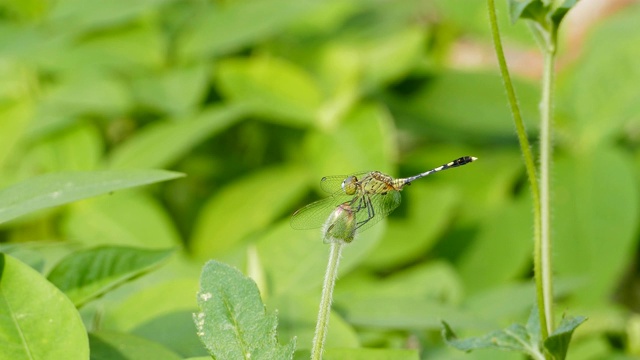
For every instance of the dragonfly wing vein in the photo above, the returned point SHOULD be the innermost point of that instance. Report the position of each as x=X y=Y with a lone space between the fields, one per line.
x=314 y=215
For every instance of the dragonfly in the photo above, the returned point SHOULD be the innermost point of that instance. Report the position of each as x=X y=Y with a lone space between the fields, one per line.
x=369 y=196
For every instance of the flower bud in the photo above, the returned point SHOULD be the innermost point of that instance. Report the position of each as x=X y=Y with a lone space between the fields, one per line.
x=340 y=225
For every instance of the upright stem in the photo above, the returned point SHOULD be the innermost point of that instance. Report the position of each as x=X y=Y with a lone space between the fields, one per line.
x=325 y=303
x=544 y=309
x=546 y=115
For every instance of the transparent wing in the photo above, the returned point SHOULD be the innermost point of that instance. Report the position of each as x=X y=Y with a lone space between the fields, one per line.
x=312 y=216
x=382 y=205
x=369 y=208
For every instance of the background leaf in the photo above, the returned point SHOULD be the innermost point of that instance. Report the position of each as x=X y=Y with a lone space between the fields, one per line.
x=272 y=87
x=589 y=243
x=85 y=275
x=33 y=315
x=61 y=188
x=150 y=148
x=107 y=221
x=245 y=207
x=116 y=346
x=235 y=25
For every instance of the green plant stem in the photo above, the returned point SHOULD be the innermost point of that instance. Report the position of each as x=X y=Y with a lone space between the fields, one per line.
x=546 y=115
x=530 y=167
x=325 y=303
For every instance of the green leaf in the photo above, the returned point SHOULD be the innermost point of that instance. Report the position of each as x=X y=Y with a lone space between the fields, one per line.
x=26 y=10
x=14 y=120
x=428 y=281
x=79 y=16
x=234 y=212
x=274 y=88
x=370 y=354
x=542 y=12
x=483 y=115
x=501 y=251
x=558 y=342
x=297 y=317
x=594 y=117
x=596 y=205
x=163 y=143
x=129 y=50
x=514 y=338
x=233 y=323
x=101 y=95
x=25 y=254
x=232 y=26
x=174 y=91
x=77 y=148
x=143 y=305
x=175 y=330
x=560 y=9
x=107 y=220
x=109 y=345
x=413 y=299
x=37 y=321
x=390 y=58
x=51 y=190
x=88 y=274
x=527 y=9
x=502 y=302
x=397 y=312
x=362 y=140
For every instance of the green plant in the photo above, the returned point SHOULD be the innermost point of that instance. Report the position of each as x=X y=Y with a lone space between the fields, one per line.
x=539 y=339
x=256 y=109
x=36 y=307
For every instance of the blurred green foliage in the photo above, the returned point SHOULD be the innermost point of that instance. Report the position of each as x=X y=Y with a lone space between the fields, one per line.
x=257 y=100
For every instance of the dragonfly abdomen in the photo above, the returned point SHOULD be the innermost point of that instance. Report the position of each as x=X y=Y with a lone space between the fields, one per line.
x=380 y=183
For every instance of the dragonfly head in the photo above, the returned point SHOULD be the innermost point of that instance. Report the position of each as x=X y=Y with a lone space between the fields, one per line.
x=349 y=185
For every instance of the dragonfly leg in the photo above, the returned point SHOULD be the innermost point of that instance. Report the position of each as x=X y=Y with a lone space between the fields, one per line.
x=370 y=211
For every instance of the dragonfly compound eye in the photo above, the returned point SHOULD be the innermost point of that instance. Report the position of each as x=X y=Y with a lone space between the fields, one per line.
x=349 y=185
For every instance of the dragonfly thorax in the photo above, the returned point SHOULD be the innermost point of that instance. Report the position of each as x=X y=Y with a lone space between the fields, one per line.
x=350 y=185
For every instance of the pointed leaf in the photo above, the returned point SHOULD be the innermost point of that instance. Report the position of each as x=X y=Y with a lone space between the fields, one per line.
x=230 y=214
x=85 y=275
x=54 y=189
x=540 y=11
x=533 y=324
x=513 y=338
x=233 y=323
x=526 y=9
x=37 y=321
x=149 y=148
x=560 y=11
x=558 y=342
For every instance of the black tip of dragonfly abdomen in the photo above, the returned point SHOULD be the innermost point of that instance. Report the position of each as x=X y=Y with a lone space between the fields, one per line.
x=464 y=160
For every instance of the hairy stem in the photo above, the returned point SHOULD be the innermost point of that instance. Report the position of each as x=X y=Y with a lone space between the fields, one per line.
x=539 y=259
x=325 y=303
x=546 y=116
